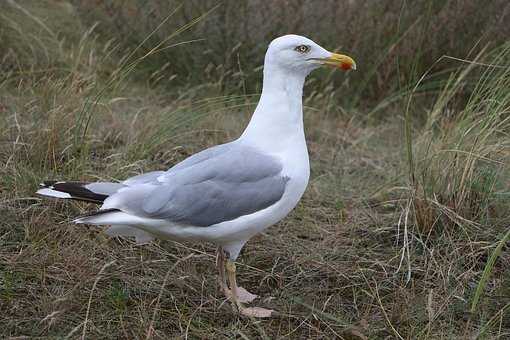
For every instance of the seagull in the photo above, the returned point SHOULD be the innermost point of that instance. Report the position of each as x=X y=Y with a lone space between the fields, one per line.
x=228 y=193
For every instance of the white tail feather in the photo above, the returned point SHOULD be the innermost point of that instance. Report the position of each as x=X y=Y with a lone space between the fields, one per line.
x=113 y=217
x=53 y=193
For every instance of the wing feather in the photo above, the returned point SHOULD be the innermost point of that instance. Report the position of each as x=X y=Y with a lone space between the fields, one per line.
x=218 y=186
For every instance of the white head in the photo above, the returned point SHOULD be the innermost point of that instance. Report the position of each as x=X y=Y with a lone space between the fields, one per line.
x=298 y=54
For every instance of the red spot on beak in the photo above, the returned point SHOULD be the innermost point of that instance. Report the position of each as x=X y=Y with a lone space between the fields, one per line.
x=345 y=66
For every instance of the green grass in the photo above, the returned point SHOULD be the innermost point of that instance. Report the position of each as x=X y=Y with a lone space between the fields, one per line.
x=402 y=232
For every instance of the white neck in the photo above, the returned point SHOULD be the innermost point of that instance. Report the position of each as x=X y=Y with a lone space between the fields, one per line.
x=278 y=118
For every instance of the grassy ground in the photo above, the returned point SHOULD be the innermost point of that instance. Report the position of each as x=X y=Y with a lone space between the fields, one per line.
x=402 y=232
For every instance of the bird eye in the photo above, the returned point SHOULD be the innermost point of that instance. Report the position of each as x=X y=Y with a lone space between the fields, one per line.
x=302 y=48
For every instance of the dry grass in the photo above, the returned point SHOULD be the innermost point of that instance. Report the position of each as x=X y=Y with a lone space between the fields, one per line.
x=367 y=254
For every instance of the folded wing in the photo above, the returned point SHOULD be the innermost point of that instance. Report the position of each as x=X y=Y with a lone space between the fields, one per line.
x=216 y=185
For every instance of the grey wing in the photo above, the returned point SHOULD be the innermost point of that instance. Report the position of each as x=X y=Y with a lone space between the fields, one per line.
x=211 y=202
x=143 y=178
x=236 y=182
x=204 y=155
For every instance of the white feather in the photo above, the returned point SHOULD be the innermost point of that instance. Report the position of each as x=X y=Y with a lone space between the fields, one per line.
x=53 y=193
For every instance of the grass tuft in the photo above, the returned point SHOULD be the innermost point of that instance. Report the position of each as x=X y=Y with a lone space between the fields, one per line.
x=457 y=162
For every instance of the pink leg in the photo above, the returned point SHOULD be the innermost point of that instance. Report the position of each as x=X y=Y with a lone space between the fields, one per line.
x=220 y=265
x=247 y=311
x=243 y=295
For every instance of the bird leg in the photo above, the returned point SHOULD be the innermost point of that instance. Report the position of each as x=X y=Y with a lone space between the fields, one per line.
x=220 y=264
x=235 y=295
x=243 y=295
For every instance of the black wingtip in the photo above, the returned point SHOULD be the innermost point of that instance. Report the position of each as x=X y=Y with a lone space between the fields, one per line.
x=77 y=191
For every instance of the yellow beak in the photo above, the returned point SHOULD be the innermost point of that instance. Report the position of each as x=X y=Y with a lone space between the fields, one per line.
x=337 y=60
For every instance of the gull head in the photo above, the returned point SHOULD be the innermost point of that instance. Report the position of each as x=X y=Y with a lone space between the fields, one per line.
x=298 y=54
